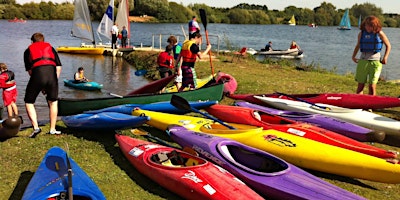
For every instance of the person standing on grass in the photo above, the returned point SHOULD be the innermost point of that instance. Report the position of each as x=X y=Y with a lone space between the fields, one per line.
x=44 y=67
x=177 y=47
x=187 y=59
x=370 y=42
x=7 y=82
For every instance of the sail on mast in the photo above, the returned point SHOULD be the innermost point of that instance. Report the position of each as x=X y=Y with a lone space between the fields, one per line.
x=107 y=21
x=82 y=25
x=123 y=16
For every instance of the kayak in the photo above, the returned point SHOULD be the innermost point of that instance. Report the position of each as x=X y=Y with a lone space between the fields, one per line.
x=267 y=174
x=346 y=100
x=189 y=176
x=350 y=130
x=153 y=87
x=164 y=106
x=249 y=116
x=91 y=85
x=103 y=121
x=302 y=152
x=357 y=116
x=51 y=180
x=71 y=106
x=230 y=84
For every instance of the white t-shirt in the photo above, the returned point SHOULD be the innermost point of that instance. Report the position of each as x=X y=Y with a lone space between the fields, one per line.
x=114 y=29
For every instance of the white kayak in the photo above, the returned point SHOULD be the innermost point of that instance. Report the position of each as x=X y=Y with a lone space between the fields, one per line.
x=357 y=116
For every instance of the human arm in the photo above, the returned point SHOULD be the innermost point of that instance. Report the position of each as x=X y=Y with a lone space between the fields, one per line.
x=385 y=40
x=356 y=49
x=205 y=52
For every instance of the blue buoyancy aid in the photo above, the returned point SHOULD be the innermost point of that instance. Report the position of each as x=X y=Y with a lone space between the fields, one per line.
x=370 y=42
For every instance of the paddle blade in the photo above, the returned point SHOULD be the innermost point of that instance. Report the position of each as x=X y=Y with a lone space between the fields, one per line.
x=180 y=102
x=203 y=17
x=140 y=72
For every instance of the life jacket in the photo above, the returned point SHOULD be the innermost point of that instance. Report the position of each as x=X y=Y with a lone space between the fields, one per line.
x=192 y=28
x=41 y=54
x=186 y=54
x=10 y=77
x=370 y=42
x=165 y=60
x=79 y=75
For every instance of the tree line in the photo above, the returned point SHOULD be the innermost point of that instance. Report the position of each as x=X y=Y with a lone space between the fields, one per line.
x=171 y=12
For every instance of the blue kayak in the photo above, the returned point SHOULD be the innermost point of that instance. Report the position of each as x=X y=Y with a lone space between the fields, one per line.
x=83 y=86
x=164 y=106
x=51 y=179
x=103 y=121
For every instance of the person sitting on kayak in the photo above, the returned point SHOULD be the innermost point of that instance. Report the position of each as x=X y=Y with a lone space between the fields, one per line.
x=79 y=76
x=268 y=47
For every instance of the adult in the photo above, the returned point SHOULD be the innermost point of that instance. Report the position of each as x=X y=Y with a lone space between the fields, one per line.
x=114 y=36
x=44 y=67
x=176 y=49
x=369 y=42
x=187 y=58
x=268 y=47
x=124 y=38
x=79 y=76
x=193 y=26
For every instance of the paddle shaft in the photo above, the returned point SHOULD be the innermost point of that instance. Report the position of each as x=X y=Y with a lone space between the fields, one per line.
x=204 y=21
x=70 y=193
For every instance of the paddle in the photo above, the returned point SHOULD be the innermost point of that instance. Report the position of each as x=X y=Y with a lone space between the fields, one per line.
x=204 y=21
x=182 y=103
x=140 y=72
x=70 y=193
x=116 y=95
x=302 y=100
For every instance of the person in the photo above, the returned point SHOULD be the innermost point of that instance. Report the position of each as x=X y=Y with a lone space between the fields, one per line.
x=7 y=82
x=193 y=26
x=165 y=62
x=370 y=42
x=268 y=47
x=177 y=47
x=114 y=36
x=187 y=58
x=44 y=67
x=124 y=38
x=294 y=45
x=79 y=76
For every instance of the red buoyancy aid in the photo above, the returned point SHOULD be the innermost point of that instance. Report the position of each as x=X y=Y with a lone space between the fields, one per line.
x=4 y=78
x=41 y=54
x=186 y=54
x=165 y=60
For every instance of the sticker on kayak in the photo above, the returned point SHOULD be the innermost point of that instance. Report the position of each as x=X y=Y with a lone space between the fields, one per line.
x=192 y=176
x=187 y=124
x=209 y=189
x=296 y=132
x=279 y=141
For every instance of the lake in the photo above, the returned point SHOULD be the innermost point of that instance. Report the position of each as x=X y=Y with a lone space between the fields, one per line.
x=324 y=46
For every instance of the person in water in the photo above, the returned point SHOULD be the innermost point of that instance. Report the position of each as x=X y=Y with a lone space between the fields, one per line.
x=79 y=76
x=370 y=42
x=7 y=82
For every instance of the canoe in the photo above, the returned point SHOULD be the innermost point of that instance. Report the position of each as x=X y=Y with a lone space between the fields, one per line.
x=69 y=106
x=103 y=121
x=267 y=174
x=189 y=176
x=302 y=152
x=164 y=106
x=153 y=87
x=81 y=50
x=346 y=100
x=91 y=85
x=249 y=116
x=357 y=116
x=350 y=130
x=200 y=83
x=51 y=179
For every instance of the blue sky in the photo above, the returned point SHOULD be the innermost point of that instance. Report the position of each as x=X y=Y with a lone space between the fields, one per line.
x=388 y=6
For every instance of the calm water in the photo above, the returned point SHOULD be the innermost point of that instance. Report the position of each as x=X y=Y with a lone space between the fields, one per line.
x=325 y=46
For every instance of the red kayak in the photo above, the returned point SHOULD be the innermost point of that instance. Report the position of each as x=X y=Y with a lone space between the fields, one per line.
x=249 y=116
x=346 y=100
x=154 y=86
x=187 y=175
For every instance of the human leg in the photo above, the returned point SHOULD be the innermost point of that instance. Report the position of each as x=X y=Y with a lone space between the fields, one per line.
x=360 y=88
x=372 y=89
x=53 y=106
x=30 y=109
x=375 y=69
x=361 y=75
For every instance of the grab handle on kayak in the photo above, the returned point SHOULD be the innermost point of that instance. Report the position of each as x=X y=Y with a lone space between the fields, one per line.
x=302 y=100
x=181 y=103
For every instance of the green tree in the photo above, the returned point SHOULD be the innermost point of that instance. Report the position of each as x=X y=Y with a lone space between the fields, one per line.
x=179 y=13
x=31 y=10
x=10 y=11
x=239 y=16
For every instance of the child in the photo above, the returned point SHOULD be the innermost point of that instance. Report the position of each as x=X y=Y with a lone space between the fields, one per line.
x=79 y=76
x=10 y=92
x=165 y=62
x=176 y=49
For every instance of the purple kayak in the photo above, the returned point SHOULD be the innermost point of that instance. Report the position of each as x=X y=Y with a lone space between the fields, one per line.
x=329 y=123
x=268 y=175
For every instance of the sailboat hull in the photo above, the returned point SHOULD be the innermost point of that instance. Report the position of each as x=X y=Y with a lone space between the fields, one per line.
x=81 y=50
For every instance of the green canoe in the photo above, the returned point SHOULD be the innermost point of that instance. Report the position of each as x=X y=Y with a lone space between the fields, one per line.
x=68 y=106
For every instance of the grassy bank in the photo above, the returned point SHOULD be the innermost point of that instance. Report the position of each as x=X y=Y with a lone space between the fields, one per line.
x=98 y=154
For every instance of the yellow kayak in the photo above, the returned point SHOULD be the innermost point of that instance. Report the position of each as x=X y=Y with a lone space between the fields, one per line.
x=296 y=150
x=200 y=83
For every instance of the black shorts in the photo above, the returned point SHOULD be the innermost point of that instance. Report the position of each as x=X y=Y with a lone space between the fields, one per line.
x=43 y=78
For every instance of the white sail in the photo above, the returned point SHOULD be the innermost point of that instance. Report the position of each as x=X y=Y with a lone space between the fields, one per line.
x=82 y=25
x=107 y=21
x=123 y=16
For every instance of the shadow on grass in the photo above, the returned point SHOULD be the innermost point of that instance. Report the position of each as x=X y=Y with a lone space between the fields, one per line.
x=22 y=183
x=107 y=139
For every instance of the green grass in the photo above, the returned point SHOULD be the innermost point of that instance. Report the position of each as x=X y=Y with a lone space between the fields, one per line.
x=98 y=154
